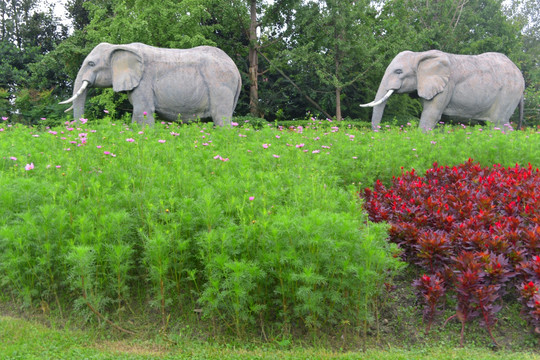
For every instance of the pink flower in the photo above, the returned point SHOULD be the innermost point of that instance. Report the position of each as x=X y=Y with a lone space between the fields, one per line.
x=277 y=136
x=13 y=158
x=130 y=140
x=276 y=156
x=234 y=123
x=161 y=141
x=300 y=145
x=145 y=113
x=107 y=152
x=218 y=157
x=316 y=151
x=106 y=111
x=251 y=198
x=58 y=166
x=266 y=146
x=29 y=166
x=4 y=118
x=83 y=120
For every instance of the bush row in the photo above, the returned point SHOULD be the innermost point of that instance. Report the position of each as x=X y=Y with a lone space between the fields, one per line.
x=473 y=230
x=248 y=228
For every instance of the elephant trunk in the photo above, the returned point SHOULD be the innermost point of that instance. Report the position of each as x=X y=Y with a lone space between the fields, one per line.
x=78 y=103
x=378 y=105
x=78 y=98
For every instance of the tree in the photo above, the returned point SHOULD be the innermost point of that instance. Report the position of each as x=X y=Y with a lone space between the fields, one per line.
x=526 y=14
x=334 y=45
x=26 y=36
x=78 y=13
x=264 y=28
x=459 y=26
x=14 y=14
x=167 y=23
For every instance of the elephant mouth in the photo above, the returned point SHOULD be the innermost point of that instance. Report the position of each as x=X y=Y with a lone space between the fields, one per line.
x=380 y=101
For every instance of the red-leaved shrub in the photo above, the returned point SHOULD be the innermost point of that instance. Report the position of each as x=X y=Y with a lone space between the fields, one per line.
x=473 y=230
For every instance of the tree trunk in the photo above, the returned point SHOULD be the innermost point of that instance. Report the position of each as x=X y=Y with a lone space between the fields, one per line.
x=338 y=104
x=338 y=36
x=253 y=61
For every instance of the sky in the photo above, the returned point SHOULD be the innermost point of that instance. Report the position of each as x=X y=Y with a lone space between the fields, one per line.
x=59 y=9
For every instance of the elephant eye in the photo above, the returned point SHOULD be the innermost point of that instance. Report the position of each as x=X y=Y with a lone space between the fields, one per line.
x=91 y=63
x=399 y=71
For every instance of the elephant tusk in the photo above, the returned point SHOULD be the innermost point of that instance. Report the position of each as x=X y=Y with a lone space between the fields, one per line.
x=81 y=90
x=383 y=99
x=69 y=109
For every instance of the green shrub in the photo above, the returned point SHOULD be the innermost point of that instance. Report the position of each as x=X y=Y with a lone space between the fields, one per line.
x=246 y=224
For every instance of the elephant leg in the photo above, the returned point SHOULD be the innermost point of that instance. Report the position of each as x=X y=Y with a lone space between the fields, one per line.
x=222 y=115
x=500 y=114
x=433 y=110
x=223 y=101
x=143 y=109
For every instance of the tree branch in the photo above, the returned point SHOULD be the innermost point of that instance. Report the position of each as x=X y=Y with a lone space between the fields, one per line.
x=313 y=102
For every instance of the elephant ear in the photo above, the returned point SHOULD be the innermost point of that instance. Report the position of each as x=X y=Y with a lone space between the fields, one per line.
x=127 y=69
x=433 y=74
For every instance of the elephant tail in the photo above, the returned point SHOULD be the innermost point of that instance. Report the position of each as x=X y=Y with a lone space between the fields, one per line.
x=521 y=109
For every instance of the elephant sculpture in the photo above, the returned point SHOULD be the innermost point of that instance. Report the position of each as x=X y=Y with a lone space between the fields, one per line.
x=198 y=82
x=484 y=87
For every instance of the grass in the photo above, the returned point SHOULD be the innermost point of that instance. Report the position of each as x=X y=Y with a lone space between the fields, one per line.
x=27 y=340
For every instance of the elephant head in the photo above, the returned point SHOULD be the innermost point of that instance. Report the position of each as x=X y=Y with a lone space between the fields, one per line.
x=107 y=65
x=427 y=72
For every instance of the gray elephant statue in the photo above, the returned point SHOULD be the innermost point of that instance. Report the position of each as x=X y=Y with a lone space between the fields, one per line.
x=190 y=83
x=484 y=87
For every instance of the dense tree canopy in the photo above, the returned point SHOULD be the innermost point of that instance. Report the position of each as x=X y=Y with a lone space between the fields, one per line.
x=296 y=57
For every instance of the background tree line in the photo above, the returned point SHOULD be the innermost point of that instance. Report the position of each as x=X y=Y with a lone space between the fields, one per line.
x=296 y=56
